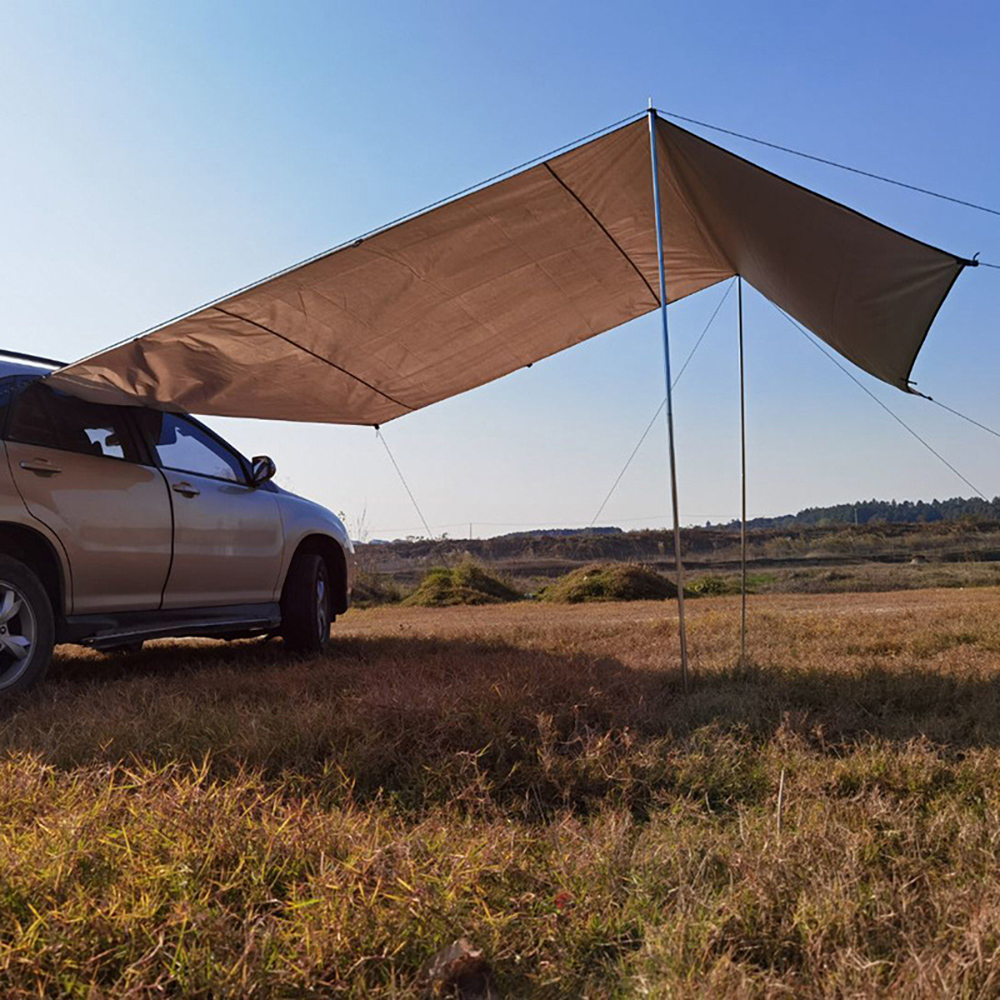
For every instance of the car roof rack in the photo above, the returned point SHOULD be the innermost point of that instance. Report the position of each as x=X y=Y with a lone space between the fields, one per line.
x=19 y=356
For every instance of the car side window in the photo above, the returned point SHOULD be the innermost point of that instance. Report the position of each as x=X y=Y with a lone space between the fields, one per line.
x=184 y=447
x=50 y=419
x=8 y=389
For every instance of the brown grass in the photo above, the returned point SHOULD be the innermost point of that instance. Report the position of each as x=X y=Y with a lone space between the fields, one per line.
x=219 y=821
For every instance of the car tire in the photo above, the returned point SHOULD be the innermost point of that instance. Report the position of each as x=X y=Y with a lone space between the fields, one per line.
x=305 y=604
x=27 y=628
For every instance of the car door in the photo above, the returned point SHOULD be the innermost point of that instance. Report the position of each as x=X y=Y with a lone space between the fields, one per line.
x=228 y=538
x=81 y=470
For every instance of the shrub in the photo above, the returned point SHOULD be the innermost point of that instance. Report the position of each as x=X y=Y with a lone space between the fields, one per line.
x=719 y=585
x=466 y=583
x=372 y=589
x=610 y=582
x=714 y=586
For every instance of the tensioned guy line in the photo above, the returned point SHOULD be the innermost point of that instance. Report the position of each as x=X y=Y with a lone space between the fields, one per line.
x=402 y=479
x=839 y=166
x=975 y=423
x=899 y=420
x=659 y=409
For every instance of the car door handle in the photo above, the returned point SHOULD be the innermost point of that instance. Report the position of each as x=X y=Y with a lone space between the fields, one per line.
x=40 y=466
x=186 y=489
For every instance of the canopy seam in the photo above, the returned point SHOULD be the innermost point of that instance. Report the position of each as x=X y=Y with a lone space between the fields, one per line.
x=600 y=225
x=318 y=357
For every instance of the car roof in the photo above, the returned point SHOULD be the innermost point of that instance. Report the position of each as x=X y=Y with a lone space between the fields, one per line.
x=9 y=368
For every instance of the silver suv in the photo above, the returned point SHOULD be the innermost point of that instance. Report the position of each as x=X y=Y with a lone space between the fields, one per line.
x=120 y=524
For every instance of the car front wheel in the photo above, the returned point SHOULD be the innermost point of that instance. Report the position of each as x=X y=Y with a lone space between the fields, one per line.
x=305 y=604
x=27 y=629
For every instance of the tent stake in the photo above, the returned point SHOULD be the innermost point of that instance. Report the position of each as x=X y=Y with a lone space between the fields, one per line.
x=679 y=569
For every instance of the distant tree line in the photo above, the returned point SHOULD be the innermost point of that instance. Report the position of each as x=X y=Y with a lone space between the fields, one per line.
x=561 y=532
x=882 y=512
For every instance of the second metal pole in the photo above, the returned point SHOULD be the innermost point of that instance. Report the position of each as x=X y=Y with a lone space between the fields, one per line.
x=670 y=407
x=743 y=486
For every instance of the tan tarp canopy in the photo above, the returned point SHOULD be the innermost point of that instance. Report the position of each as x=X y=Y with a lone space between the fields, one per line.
x=526 y=267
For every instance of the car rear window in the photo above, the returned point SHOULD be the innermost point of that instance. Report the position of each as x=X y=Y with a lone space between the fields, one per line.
x=41 y=416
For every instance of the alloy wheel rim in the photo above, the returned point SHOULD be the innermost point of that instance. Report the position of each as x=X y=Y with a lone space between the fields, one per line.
x=322 y=623
x=18 y=632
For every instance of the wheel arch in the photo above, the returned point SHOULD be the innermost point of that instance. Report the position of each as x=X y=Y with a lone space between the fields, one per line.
x=39 y=554
x=336 y=564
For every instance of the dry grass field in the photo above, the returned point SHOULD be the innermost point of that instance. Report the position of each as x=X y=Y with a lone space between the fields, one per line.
x=208 y=820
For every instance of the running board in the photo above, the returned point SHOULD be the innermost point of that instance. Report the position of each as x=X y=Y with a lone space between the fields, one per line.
x=109 y=631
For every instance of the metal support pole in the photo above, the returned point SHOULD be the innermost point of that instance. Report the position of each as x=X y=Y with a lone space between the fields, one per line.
x=743 y=483
x=670 y=405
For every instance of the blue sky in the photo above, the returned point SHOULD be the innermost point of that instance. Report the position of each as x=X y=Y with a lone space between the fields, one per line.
x=157 y=155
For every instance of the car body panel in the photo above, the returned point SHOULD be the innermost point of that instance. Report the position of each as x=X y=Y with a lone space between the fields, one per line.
x=14 y=512
x=112 y=517
x=303 y=518
x=228 y=543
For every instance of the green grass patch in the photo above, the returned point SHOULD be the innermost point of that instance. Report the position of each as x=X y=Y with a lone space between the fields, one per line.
x=727 y=584
x=466 y=583
x=610 y=582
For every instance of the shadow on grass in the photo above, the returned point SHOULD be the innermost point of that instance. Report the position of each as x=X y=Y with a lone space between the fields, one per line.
x=420 y=721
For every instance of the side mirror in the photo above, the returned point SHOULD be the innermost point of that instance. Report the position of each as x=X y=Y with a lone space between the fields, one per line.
x=263 y=470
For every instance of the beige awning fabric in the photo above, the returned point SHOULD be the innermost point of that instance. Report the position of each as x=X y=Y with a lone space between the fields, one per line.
x=521 y=269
